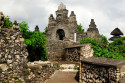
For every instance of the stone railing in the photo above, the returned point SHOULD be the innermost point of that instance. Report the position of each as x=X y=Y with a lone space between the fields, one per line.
x=78 y=52
x=101 y=70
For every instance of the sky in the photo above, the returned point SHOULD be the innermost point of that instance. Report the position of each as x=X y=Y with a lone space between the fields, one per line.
x=108 y=14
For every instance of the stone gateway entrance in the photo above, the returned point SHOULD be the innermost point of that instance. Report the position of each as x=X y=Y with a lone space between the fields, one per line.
x=60 y=34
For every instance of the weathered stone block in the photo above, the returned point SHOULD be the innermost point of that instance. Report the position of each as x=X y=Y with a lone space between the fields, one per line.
x=101 y=70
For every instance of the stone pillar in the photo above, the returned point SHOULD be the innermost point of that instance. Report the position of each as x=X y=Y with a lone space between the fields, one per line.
x=74 y=37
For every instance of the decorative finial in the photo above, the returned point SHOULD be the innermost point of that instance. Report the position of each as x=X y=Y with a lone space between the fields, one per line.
x=61 y=6
x=72 y=13
x=15 y=22
x=51 y=15
x=36 y=28
x=92 y=24
x=1 y=16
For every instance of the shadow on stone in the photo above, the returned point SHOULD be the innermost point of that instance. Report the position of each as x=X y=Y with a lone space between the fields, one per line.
x=77 y=77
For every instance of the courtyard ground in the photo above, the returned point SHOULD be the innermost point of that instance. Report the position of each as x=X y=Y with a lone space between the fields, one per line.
x=63 y=77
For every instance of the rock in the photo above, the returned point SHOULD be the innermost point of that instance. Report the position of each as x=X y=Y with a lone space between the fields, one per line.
x=4 y=67
x=9 y=61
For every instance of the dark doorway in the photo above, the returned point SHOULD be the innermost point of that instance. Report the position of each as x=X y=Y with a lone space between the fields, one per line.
x=60 y=34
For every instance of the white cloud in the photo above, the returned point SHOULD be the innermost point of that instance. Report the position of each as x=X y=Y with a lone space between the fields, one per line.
x=108 y=14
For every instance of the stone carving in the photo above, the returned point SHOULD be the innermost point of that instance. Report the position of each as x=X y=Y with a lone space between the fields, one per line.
x=61 y=6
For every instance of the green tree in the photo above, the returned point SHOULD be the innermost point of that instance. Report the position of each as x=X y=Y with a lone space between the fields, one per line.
x=35 y=42
x=79 y=27
x=115 y=50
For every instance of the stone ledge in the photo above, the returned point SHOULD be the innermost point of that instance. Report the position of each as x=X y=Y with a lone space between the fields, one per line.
x=77 y=46
x=108 y=62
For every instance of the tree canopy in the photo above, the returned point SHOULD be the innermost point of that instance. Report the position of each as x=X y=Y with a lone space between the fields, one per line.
x=79 y=27
x=35 y=42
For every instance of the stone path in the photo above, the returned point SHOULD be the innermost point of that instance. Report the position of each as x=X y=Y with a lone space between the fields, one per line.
x=63 y=77
x=66 y=74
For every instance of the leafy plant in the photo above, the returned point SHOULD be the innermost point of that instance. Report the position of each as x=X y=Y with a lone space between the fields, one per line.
x=58 y=67
x=76 y=68
x=46 y=29
x=79 y=27
x=7 y=22
x=115 y=50
x=25 y=71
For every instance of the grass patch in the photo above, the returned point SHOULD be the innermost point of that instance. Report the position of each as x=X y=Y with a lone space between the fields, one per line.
x=76 y=68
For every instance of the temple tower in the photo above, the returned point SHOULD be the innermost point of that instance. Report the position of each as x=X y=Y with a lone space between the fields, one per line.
x=62 y=26
x=36 y=28
x=92 y=31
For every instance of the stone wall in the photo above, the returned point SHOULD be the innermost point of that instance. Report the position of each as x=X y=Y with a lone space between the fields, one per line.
x=78 y=52
x=40 y=71
x=101 y=70
x=56 y=49
x=13 y=62
x=13 y=53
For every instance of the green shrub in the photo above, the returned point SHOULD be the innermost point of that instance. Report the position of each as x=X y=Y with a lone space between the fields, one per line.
x=76 y=68
x=25 y=71
x=115 y=50
x=7 y=22
x=35 y=42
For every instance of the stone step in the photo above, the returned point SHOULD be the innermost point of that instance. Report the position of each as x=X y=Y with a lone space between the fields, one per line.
x=69 y=67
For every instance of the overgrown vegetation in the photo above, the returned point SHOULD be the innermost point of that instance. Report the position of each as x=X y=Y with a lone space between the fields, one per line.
x=7 y=22
x=103 y=48
x=46 y=29
x=76 y=68
x=25 y=72
x=35 y=42
x=79 y=27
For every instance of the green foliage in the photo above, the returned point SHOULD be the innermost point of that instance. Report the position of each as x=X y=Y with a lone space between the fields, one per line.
x=18 y=81
x=119 y=41
x=46 y=29
x=25 y=29
x=79 y=27
x=4 y=81
x=58 y=68
x=7 y=22
x=76 y=68
x=35 y=42
x=115 y=50
x=25 y=72
x=104 y=40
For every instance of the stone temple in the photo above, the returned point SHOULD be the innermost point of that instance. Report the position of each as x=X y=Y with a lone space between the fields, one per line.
x=62 y=27
x=62 y=31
